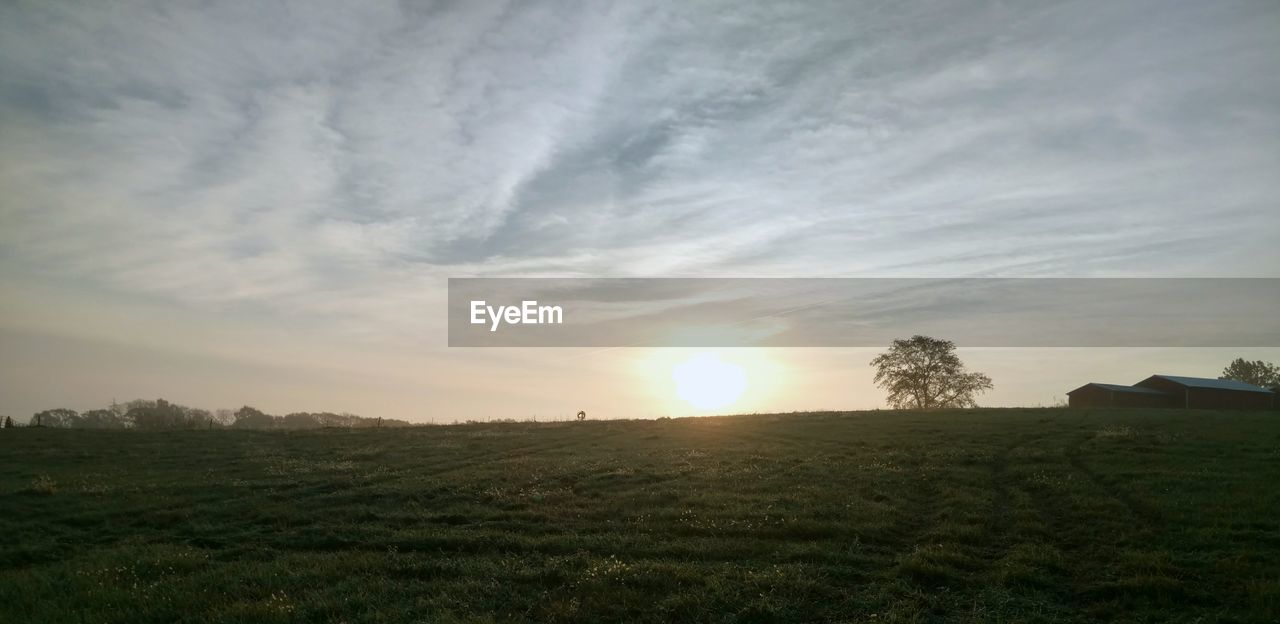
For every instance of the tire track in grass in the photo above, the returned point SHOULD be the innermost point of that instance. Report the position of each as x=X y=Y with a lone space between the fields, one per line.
x=1121 y=579
x=1059 y=534
x=1006 y=535
x=455 y=464
x=793 y=440
x=916 y=502
x=766 y=457
x=1029 y=557
x=1150 y=517
x=998 y=514
x=931 y=556
x=1080 y=555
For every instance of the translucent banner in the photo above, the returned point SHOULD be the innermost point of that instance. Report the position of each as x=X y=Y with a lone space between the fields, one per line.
x=863 y=312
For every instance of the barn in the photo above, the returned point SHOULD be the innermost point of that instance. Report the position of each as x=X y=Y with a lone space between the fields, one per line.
x=1175 y=391
x=1200 y=393
x=1114 y=395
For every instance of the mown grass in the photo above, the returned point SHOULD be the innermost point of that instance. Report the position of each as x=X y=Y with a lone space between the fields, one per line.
x=1041 y=515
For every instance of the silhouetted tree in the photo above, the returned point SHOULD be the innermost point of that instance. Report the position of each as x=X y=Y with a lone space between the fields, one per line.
x=8 y=423
x=926 y=373
x=156 y=414
x=329 y=419
x=1256 y=372
x=300 y=420
x=197 y=418
x=161 y=414
x=59 y=417
x=253 y=418
x=101 y=419
x=224 y=417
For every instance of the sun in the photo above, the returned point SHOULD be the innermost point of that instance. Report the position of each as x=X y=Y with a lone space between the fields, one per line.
x=707 y=382
x=688 y=382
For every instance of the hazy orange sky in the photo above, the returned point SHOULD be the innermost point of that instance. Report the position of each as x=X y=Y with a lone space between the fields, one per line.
x=224 y=206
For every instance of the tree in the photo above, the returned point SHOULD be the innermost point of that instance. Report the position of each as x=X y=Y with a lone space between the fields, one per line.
x=131 y=410
x=59 y=417
x=161 y=414
x=101 y=419
x=252 y=418
x=1257 y=372
x=158 y=414
x=300 y=420
x=224 y=417
x=8 y=423
x=926 y=373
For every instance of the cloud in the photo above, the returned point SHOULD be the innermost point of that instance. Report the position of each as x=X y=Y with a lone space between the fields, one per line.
x=278 y=152
x=336 y=162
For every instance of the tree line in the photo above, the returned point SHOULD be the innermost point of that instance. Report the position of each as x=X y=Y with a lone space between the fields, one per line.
x=161 y=414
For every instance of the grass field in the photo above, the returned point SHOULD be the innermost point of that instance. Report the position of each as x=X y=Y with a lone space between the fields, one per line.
x=1036 y=515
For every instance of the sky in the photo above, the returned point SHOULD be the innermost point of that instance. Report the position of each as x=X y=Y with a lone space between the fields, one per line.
x=260 y=203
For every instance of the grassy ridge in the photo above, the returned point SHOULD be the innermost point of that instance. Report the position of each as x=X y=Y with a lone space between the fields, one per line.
x=984 y=516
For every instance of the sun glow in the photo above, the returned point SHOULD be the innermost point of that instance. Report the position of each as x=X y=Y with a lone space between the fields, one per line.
x=710 y=381
x=707 y=382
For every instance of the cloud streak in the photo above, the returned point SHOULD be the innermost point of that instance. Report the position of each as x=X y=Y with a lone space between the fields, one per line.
x=336 y=162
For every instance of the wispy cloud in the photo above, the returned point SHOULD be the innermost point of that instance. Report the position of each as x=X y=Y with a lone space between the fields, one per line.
x=337 y=161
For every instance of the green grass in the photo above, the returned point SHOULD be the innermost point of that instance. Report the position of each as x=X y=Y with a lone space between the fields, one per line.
x=1043 y=515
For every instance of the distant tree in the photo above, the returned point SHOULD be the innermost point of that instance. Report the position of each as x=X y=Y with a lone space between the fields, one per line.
x=196 y=418
x=143 y=416
x=925 y=373
x=253 y=418
x=8 y=423
x=101 y=419
x=59 y=417
x=1256 y=372
x=130 y=410
x=161 y=414
x=158 y=414
x=300 y=420
x=330 y=419
x=224 y=417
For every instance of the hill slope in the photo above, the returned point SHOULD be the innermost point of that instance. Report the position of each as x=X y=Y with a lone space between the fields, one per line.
x=984 y=515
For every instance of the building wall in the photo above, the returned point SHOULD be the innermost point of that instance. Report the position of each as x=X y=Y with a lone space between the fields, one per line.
x=1212 y=398
x=1129 y=399
x=1093 y=396
x=1088 y=396
x=1208 y=398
